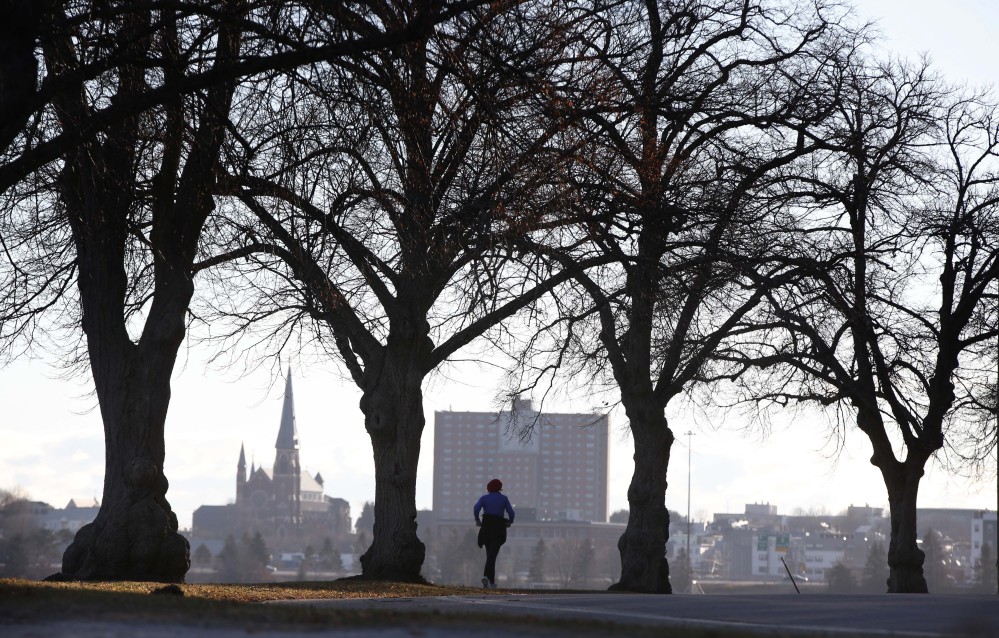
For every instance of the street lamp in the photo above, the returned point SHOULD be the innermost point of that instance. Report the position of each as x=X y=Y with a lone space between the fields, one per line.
x=690 y=563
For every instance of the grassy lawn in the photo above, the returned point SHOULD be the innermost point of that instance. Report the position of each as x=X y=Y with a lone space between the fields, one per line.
x=222 y=605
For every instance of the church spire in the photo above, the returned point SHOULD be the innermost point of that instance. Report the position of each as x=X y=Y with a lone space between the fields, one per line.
x=241 y=474
x=287 y=438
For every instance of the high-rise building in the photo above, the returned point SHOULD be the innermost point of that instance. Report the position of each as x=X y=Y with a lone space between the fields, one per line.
x=559 y=472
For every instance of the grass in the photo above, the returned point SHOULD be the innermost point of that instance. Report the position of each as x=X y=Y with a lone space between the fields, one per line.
x=226 y=605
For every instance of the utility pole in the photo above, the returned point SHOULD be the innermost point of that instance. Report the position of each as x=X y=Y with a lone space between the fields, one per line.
x=690 y=562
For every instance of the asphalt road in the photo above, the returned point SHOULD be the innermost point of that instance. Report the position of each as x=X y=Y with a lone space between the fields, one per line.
x=531 y=616
x=894 y=615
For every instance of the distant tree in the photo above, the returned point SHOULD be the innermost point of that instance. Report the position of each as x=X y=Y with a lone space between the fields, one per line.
x=243 y=560
x=366 y=520
x=256 y=550
x=360 y=544
x=539 y=555
x=459 y=558
x=840 y=580
x=14 y=556
x=582 y=568
x=681 y=572
x=935 y=562
x=620 y=516
x=874 y=579
x=985 y=571
x=334 y=561
x=229 y=565
x=202 y=555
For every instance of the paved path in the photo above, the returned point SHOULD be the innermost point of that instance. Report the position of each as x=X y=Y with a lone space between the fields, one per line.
x=895 y=615
x=903 y=616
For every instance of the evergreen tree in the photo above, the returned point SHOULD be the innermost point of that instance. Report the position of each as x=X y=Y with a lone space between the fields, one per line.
x=874 y=580
x=361 y=543
x=681 y=570
x=583 y=564
x=840 y=580
x=538 y=556
x=256 y=551
x=335 y=561
x=228 y=562
x=202 y=555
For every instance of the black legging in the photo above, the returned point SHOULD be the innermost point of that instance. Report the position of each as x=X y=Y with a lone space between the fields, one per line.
x=492 y=551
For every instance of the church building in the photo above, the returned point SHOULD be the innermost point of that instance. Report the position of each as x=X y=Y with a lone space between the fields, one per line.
x=286 y=505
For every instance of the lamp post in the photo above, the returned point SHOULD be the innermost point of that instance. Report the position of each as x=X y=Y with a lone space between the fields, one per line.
x=690 y=563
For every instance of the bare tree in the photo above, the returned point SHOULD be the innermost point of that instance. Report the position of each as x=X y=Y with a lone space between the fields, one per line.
x=701 y=104
x=901 y=250
x=138 y=100
x=387 y=201
x=136 y=199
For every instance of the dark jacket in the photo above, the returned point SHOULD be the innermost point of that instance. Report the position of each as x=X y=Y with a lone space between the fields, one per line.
x=493 y=530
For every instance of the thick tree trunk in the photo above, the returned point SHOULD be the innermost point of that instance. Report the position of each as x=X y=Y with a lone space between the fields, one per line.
x=643 y=545
x=393 y=416
x=905 y=559
x=134 y=536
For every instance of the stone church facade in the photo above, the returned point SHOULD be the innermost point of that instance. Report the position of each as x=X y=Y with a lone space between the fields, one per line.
x=287 y=506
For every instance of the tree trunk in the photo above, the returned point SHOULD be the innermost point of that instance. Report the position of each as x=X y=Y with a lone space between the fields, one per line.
x=905 y=559
x=643 y=545
x=393 y=416
x=134 y=536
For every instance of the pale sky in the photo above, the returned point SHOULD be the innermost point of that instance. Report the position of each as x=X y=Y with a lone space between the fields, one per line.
x=51 y=439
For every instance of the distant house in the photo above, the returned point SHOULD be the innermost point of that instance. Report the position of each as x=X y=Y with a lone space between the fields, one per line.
x=286 y=505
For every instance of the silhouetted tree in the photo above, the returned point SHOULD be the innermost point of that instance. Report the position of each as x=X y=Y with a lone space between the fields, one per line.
x=136 y=106
x=411 y=175
x=910 y=188
x=696 y=105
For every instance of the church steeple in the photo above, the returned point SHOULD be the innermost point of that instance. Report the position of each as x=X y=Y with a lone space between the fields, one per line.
x=287 y=466
x=287 y=438
x=240 y=473
x=241 y=466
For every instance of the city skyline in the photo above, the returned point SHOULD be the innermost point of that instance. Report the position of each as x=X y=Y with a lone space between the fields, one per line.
x=52 y=446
